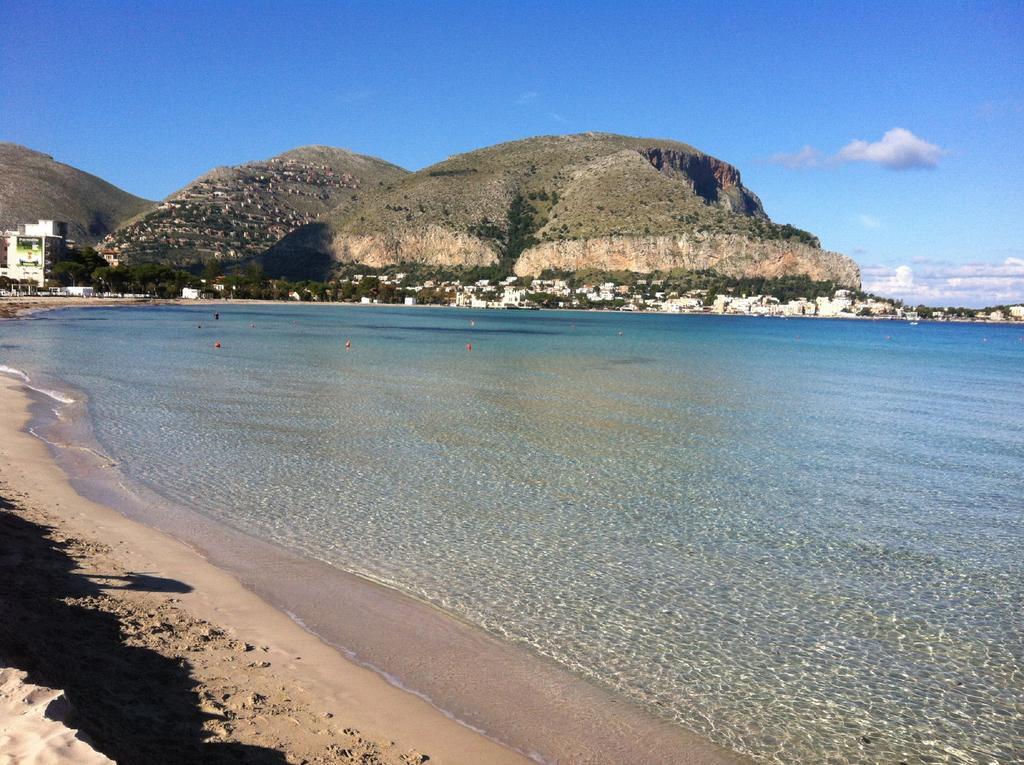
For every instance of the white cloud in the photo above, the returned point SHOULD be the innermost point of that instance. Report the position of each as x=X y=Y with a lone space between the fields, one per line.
x=526 y=97
x=869 y=221
x=808 y=156
x=899 y=149
x=970 y=284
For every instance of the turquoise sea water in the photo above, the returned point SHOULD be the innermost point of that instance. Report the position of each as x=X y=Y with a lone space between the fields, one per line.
x=802 y=538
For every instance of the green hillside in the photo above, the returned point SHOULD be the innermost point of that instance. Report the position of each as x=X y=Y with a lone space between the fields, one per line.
x=533 y=203
x=231 y=213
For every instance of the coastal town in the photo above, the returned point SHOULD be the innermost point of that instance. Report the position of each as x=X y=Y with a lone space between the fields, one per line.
x=39 y=259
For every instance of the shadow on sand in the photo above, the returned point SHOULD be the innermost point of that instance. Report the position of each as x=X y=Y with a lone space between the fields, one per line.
x=133 y=704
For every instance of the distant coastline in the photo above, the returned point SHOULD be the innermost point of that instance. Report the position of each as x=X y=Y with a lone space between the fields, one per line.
x=23 y=306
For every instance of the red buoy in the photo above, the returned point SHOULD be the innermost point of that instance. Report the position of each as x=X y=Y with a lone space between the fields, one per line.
x=348 y=344
x=469 y=346
x=217 y=344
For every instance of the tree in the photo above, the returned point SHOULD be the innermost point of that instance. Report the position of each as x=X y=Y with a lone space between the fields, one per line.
x=69 y=270
x=254 y=274
x=212 y=269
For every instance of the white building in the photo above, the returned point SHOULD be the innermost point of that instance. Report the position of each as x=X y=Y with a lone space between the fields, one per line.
x=410 y=301
x=32 y=250
x=799 y=307
x=190 y=293
x=513 y=296
x=835 y=306
x=680 y=304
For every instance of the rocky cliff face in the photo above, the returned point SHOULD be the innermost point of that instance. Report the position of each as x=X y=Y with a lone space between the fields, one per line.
x=715 y=181
x=434 y=246
x=731 y=255
x=728 y=254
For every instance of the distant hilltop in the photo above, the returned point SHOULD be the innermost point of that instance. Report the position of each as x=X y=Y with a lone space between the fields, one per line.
x=547 y=204
x=565 y=203
x=34 y=186
x=233 y=213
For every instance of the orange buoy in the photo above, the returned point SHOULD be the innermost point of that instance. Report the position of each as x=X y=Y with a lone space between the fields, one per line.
x=217 y=344
x=469 y=346
x=348 y=344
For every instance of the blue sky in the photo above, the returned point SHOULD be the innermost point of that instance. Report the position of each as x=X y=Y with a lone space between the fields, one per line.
x=929 y=202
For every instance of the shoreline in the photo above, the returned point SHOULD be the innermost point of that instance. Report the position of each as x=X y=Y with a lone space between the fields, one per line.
x=402 y=638
x=22 y=307
x=17 y=308
x=315 y=678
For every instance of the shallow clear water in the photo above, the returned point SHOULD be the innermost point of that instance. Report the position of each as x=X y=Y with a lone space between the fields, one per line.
x=802 y=538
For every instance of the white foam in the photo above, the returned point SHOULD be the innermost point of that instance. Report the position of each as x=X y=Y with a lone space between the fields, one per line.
x=4 y=369
x=57 y=396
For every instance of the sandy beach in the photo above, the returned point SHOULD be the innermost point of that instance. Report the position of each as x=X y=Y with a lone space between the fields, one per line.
x=23 y=306
x=163 y=658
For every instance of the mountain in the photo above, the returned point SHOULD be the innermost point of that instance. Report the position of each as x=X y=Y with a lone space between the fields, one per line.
x=563 y=203
x=231 y=213
x=34 y=186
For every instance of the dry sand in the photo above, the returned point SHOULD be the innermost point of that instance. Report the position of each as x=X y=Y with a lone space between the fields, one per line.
x=22 y=306
x=32 y=728
x=164 y=658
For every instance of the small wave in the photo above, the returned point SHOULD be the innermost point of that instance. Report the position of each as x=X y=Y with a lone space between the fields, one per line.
x=56 y=395
x=4 y=369
x=111 y=462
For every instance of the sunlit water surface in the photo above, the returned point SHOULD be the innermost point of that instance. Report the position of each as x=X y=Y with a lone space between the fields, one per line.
x=802 y=538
